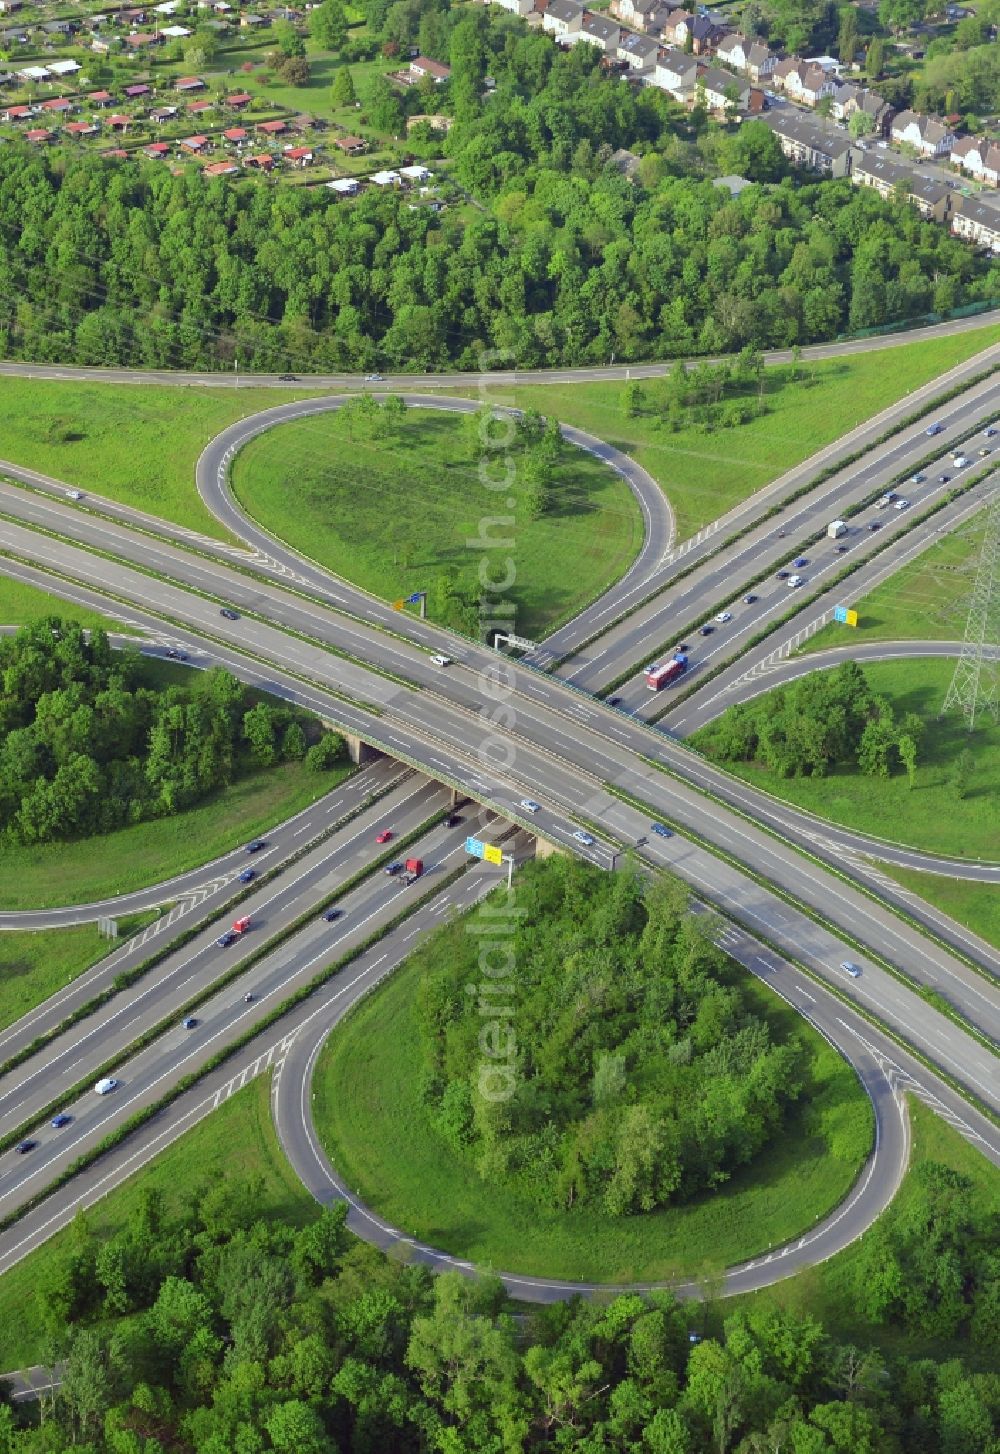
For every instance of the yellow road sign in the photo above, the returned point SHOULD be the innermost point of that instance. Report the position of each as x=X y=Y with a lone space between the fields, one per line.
x=492 y=854
x=851 y=618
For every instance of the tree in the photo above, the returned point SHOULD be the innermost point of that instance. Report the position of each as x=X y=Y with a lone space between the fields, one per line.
x=293 y=743
x=343 y=93
x=385 y=109
x=860 y=124
x=848 y=42
x=962 y=773
x=326 y=753
x=875 y=58
x=259 y=732
x=907 y=748
x=633 y=399
x=328 y=25
x=294 y=71
x=287 y=39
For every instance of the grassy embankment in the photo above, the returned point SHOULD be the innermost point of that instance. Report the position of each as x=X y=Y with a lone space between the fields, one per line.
x=930 y=816
x=705 y=475
x=375 y=1127
x=35 y=964
x=393 y=514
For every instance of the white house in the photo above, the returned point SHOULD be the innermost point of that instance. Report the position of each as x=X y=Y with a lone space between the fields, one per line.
x=980 y=157
x=344 y=186
x=676 y=73
x=751 y=58
x=517 y=7
x=600 y=31
x=930 y=137
x=977 y=222
x=637 y=51
x=715 y=83
x=562 y=18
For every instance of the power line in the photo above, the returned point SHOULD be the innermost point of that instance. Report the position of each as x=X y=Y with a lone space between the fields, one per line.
x=974 y=686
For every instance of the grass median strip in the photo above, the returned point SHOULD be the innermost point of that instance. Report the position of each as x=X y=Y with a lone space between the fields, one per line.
x=115 y=1137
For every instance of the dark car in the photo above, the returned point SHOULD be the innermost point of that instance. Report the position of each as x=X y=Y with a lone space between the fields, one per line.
x=256 y=844
x=841 y=549
x=229 y=613
x=61 y=1120
x=749 y=599
x=189 y=1022
x=332 y=915
x=23 y=1147
x=943 y=479
x=175 y=655
x=614 y=701
x=782 y=575
x=875 y=525
x=707 y=630
x=286 y=378
x=453 y=820
x=661 y=830
x=224 y=940
x=393 y=868
x=248 y=875
x=801 y=560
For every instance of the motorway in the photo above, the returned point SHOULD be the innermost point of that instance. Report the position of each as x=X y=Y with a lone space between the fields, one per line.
x=570 y=752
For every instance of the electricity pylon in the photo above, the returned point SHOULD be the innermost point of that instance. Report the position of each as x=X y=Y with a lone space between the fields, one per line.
x=974 y=687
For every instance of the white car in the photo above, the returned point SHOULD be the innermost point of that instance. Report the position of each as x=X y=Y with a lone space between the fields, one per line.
x=74 y=494
x=439 y=659
x=530 y=806
x=795 y=580
x=107 y=1085
x=585 y=838
x=917 y=479
x=960 y=461
x=724 y=616
x=901 y=505
x=852 y=969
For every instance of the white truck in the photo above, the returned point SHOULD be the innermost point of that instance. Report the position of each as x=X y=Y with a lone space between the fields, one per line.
x=836 y=529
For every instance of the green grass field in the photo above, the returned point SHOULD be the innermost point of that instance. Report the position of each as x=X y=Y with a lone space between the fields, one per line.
x=21 y=604
x=829 y=1291
x=39 y=876
x=926 y=600
x=392 y=515
x=373 y=1124
x=236 y=1140
x=135 y=444
x=931 y=816
x=975 y=905
x=704 y=475
x=34 y=965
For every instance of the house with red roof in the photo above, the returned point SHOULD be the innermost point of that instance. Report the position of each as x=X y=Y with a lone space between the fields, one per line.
x=189 y=83
x=100 y=98
x=197 y=108
x=237 y=135
x=272 y=128
x=221 y=169
x=142 y=40
x=156 y=150
x=118 y=123
x=299 y=156
x=38 y=135
x=58 y=104
x=15 y=113
x=81 y=128
x=239 y=100
x=263 y=163
x=194 y=144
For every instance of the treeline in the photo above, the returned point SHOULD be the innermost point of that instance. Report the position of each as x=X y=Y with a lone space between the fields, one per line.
x=826 y=719
x=706 y=396
x=562 y=260
x=215 y=1331
x=86 y=747
x=640 y=1075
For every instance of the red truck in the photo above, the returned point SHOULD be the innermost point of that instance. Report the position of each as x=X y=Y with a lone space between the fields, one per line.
x=414 y=868
x=241 y=926
x=661 y=676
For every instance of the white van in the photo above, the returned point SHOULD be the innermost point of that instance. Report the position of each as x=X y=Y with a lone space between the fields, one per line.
x=106 y=1086
x=794 y=580
x=439 y=659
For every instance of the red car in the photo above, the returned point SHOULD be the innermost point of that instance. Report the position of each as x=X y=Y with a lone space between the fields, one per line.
x=385 y=836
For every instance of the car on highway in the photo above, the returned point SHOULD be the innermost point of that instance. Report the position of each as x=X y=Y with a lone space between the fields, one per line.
x=661 y=830
x=188 y=1023
x=934 y=429
x=989 y=431
x=875 y=525
x=901 y=505
x=374 y=379
x=106 y=1085
x=530 y=806
x=917 y=479
x=224 y=940
x=782 y=575
x=332 y=915
x=724 y=616
x=392 y=869
x=287 y=379
x=255 y=845
x=614 y=701
x=229 y=613
x=172 y=654
x=800 y=561
x=248 y=875
x=74 y=494
x=749 y=599
x=585 y=838
x=439 y=659
x=849 y=967
x=23 y=1147
x=943 y=479
x=794 y=581
x=960 y=461
x=841 y=549
x=707 y=630
x=385 y=836
x=62 y=1119
x=983 y=453
x=453 y=820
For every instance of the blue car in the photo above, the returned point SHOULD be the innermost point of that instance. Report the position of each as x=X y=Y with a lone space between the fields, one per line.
x=801 y=560
x=661 y=830
x=256 y=844
x=934 y=429
x=248 y=875
x=61 y=1120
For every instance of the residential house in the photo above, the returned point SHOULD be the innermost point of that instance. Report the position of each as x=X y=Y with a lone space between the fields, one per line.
x=198 y=108
x=117 y=152
x=892 y=178
x=930 y=137
x=33 y=73
x=80 y=129
x=194 y=144
x=102 y=45
x=733 y=185
x=239 y=100
x=58 y=104
x=272 y=128
x=261 y=163
x=7 y=7
x=385 y=179
x=636 y=13
x=16 y=113
x=352 y=145
x=58 y=27
x=141 y=40
x=236 y=136
x=562 y=18
x=803 y=81
x=162 y=114
x=298 y=156
x=516 y=7
x=189 y=83
x=977 y=222
x=64 y=68
x=118 y=123
x=421 y=67
x=980 y=157
x=344 y=186
x=221 y=169
x=676 y=73
x=100 y=99
x=722 y=90
x=638 y=51
x=157 y=151
x=38 y=136
x=752 y=58
x=600 y=31
x=808 y=144
x=175 y=32
x=695 y=32
x=414 y=174
x=249 y=21
x=133 y=93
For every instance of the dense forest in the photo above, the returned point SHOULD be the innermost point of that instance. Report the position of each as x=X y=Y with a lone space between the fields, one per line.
x=824 y=720
x=641 y=1076
x=87 y=748
x=555 y=256
x=214 y=1332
